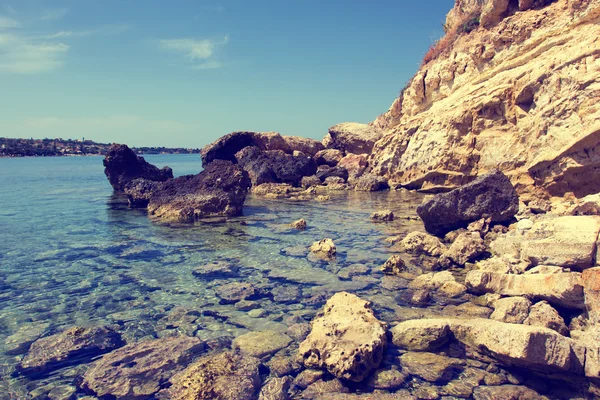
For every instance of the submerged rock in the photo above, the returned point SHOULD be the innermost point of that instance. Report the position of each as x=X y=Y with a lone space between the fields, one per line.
x=277 y=389
x=491 y=195
x=122 y=166
x=219 y=190
x=431 y=367
x=346 y=339
x=139 y=370
x=237 y=291
x=261 y=344
x=71 y=346
x=223 y=376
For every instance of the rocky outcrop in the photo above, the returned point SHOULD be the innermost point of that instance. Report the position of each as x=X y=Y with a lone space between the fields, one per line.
x=517 y=93
x=329 y=157
x=139 y=370
x=219 y=190
x=346 y=339
x=355 y=164
x=351 y=137
x=122 y=165
x=489 y=196
x=139 y=191
x=72 y=346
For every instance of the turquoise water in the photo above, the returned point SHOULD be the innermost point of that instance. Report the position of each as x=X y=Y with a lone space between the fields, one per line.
x=72 y=253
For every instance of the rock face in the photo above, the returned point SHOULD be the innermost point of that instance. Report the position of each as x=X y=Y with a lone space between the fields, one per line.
x=351 y=137
x=68 y=347
x=122 y=165
x=224 y=376
x=346 y=339
x=219 y=190
x=139 y=370
x=518 y=94
x=491 y=195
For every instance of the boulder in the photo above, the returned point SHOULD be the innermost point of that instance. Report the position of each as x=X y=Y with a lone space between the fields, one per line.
x=261 y=344
x=308 y=181
x=275 y=166
x=393 y=266
x=324 y=172
x=351 y=137
x=72 y=346
x=139 y=190
x=453 y=289
x=227 y=146
x=370 y=183
x=543 y=314
x=324 y=248
x=512 y=310
x=355 y=164
x=491 y=195
x=122 y=165
x=277 y=389
x=467 y=247
x=419 y=242
x=421 y=334
x=139 y=370
x=330 y=157
x=564 y=290
x=387 y=379
x=430 y=367
x=222 y=376
x=384 y=215
x=219 y=190
x=493 y=11
x=346 y=339
x=304 y=145
x=236 y=291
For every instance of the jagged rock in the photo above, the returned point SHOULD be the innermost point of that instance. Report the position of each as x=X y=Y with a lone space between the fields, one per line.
x=219 y=190
x=237 y=291
x=543 y=314
x=139 y=190
x=277 y=389
x=261 y=344
x=72 y=346
x=329 y=157
x=227 y=146
x=491 y=195
x=299 y=224
x=223 y=376
x=346 y=339
x=324 y=172
x=466 y=248
x=351 y=137
x=419 y=242
x=385 y=215
x=430 y=367
x=355 y=164
x=275 y=166
x=122 y=165
x=512 y=310
x=370 y=183
x=393 y=266
x=565 y=290
x=274 y=190
x=139 y=370
x=324 y=248
x=421 y=334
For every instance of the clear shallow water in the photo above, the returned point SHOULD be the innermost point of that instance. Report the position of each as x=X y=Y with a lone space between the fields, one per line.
x=72 y=253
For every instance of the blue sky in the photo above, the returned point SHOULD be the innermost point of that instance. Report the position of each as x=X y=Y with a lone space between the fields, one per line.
x=183 y=73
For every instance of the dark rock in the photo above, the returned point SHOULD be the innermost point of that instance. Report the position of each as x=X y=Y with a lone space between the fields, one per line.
x=227 y=146
x=491 y=195
x=329 y=157
x=217 y=269
x=219 y=190
x=370 y=183
x=309 y=181
x=122 y=166
x=237 y=291
x=139 y=370
x=325 y=171
x=275 y=166
x=69 y=347
x=139 y=190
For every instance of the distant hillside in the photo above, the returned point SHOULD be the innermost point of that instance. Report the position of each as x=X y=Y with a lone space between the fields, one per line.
x=70 y=147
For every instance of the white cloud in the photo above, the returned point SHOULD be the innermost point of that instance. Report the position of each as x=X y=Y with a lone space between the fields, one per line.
x=7 y=22
x=21 y=55
x=199 y=52
x=106 y=30
x=53 y=15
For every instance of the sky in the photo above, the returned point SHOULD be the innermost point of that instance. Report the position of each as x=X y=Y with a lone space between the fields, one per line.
x=182 y=73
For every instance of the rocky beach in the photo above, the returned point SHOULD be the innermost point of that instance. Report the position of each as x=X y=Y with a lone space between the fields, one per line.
x=447 y=250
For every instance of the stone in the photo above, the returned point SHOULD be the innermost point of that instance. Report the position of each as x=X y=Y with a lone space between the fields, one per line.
x=467 y=310
x=346 y=339
x=222 y=376
x=325 y=173
x=321 y=387
x=420 y=297
x=246 y=305
x=393 y=266
x=308 y=377
x=543 y=314
x=261 y=344
x=423 y=243
x=274 y=190
x=387 y=379
x=219 y=190
x=71 y=346
x=257 y=313
x=491 y=196
x=493 y=11
x=506 y=392
x=122 y=165
x=329 y=157
x=466 y=248
x=421 y=334
x=370 y=183
x=276 y=389
x=353 y=270
x=298 y=332
x=322 y=198
x=351 y=137
x=430 y=367
x=281 y=366
x=237 y=291
x=591 y=289
x=139 y=190
x=227 y=146
x=214 y=270
x=432 y=280
x=286 y=294
x=299 y=224
x=355 y=164
x=324 y=248
x=304 y=145
x=385 y=215
x=512 y=310
x=452 y=289
x=564 y=290
x=139 y=370
x=308 y=181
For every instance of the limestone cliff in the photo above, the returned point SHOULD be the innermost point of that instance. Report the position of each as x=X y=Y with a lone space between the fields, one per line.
x=513 y=85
